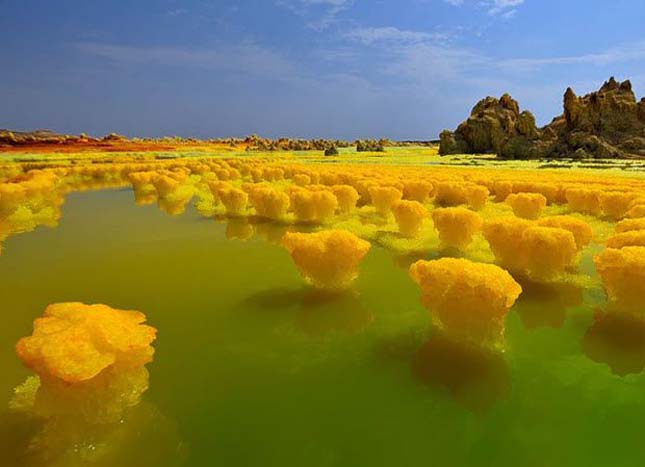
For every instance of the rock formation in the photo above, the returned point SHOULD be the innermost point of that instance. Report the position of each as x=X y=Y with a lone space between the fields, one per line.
x=608 y=123
x=494 y=126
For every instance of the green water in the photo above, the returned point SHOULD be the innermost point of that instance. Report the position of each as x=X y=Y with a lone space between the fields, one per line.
x=254 y=369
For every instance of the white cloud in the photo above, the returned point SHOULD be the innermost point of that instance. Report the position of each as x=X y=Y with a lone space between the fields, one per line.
x=325 y=11
x=247 y=58
x=369 y=36
x=622 y=53
x=504 y=7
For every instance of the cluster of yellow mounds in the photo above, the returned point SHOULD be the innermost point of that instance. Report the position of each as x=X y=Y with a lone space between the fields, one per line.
x=268 y=202
x=548 y=250
x=466 y=299
x=582 y=233
x=409 y=216
x=504 y=235
x=537 y=250
x=630 y=238
x=583 y=200
x=347 y=197
x=418 y=190
x=328 y=259
x=234 y=200
x=615 y=204
x=636 y=208
x=623 y=274
x=313 y=205
x=29 y=200
x=627 y=225
x=527 y=205
x=74 y=342
x=599 y=201
x=456 y=193
x=456 y=226
x=383 y=198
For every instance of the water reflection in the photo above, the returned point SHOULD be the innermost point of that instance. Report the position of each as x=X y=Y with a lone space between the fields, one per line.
x=270 y=231
x=102 y=424
x=475 y=376
x=617 y=338
x=322 y=312
x=317 y=312
x=546 y=304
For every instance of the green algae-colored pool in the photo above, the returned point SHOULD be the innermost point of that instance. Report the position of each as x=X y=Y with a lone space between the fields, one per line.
x=254 y=369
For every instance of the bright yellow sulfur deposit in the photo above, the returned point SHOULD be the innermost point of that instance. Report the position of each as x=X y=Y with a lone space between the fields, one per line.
x=234 y=200
x=623 y=275
x=477 y=196
x=581 y=231
x=527 y=205
x=627 y=225
x=269 y=202
x=522 y=246
x=315 y=206
x=383 y=198
x=328 y=259
x=417 y=191
x=615 y=204
x=548 y=251
x=456 y=226
x=466 y=299
x=74 y=342
x=504 y=235
x=585 y=200
x=630 y=238
x=347 y=197
x=409 y=216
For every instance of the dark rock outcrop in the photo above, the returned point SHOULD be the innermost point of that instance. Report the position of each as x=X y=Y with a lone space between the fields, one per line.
x=494 y=126
x=608 y=123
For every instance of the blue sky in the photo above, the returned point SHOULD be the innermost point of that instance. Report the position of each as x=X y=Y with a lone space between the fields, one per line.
x=404 y=69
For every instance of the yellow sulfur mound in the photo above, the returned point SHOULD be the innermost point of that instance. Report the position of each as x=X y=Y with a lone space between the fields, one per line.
x=409 y=216
x=328 y=259
x=75 y=342
x=417 y=191
x=523 y=246
x=313 y=206
x=581 y=231
x=347 y=197
x=584 y=200
x=631 y=238
x=504 y=235
x=502 y=189
x=527 y=205
x=477 y=196
x=627 y=225
x=548 y=250
x=269 y=202
x=456 y=226
x=301 y=179
x=615 y=204
x=164 y=184
x=383 y=198
x=623 y=275
x=465 y=298
x=234 y=200
x=637 y=211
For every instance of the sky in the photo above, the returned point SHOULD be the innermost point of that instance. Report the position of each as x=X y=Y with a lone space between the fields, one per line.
x=402 y=69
